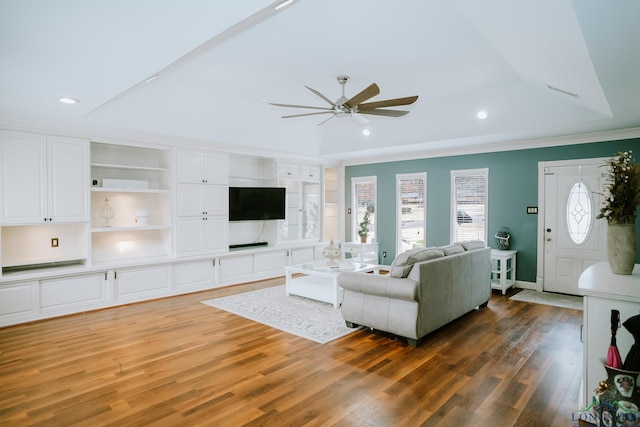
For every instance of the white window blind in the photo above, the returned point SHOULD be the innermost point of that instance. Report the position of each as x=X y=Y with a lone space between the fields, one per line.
x=469 y=210
x=411 y=211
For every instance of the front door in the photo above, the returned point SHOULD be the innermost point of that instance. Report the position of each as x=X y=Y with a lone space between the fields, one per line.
x=573 y=239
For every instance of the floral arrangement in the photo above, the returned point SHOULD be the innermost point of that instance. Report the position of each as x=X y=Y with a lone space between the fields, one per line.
x=363 y=231
x=622 y=193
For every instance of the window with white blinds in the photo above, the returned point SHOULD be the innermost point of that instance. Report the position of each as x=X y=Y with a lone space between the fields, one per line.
x=411 y=198
x=469 y=204
x=364 y=196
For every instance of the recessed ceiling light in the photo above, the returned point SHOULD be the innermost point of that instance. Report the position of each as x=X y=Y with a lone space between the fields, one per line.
x=283 y=4
x=68 y=100
x=366 y=132
x=482 y=115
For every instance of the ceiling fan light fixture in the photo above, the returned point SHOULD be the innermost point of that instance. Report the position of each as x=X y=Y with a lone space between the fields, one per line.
x=283 y=4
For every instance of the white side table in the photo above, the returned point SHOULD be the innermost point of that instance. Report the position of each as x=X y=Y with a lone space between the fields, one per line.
x=503 y=269
x=361 y=252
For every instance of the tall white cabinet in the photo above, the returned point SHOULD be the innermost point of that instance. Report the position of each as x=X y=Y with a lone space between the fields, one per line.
x=202 y=203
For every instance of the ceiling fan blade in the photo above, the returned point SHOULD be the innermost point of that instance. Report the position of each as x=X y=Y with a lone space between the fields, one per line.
x=367 y=93
x=388 y=113
x=321 y=96
x=326 y=120
x=306 y=114
x=388 y=103
x=299 y=106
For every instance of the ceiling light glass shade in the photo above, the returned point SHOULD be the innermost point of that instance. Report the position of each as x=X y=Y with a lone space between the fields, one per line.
x=366 y=132
x=482 y=115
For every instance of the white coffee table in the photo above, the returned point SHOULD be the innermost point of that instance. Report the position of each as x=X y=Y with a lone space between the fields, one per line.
x=319 y=281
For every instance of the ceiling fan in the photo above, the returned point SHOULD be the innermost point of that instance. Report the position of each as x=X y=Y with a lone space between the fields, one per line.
x=355 y=106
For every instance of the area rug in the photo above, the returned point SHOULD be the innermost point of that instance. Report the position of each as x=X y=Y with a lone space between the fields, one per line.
x=549 y=298
x=314 y=320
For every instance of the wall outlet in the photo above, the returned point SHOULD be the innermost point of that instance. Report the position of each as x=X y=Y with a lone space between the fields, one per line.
x=54 y=242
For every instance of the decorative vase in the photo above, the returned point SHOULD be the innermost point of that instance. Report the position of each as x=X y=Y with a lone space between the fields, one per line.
x=363 y=239
x=621 y=245
x=332 y=254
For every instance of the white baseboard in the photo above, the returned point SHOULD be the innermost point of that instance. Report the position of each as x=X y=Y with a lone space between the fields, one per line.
x=526 y=285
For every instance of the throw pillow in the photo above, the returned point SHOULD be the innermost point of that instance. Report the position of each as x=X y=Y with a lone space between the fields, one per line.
x=452 y=249
x=402 y=265
x=472 y=244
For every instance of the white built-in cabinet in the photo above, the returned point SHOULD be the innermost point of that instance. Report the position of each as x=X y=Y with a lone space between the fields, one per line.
x=303 y=202
x=43 y=179
x=202 y=203
x=170 y=230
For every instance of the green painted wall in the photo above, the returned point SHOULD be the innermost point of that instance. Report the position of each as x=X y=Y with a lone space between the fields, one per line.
x=513 y=185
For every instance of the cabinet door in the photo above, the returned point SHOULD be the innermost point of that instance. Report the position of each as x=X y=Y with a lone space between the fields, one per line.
x=68 y=179
x=236 y=268
x=191 y=236
x=310 y=172
x=140 y=283
x=216 y=232
x=288 y=170
x=18 y=302
x=216 y=200
x=270 y=264
x=198 y=200
x=289 y=228
x=301 y=255
x=216 y=168
x=68 y=294
x=194 y=275
x=310 y=214
x=23 y=177
x=190 y=166
x=191 y=200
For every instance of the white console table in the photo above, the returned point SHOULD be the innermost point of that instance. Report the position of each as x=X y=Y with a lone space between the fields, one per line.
x=503 y=269
x=361 y=252
x=604 y=291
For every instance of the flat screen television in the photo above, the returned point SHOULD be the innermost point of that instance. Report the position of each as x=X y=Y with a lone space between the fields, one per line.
x=256 y=203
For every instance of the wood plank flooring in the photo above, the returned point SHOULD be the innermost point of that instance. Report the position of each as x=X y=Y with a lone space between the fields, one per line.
x=177 y=362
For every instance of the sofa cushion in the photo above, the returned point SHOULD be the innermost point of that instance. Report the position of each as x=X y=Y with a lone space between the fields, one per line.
x=402 y=265
x=472 y=244
x=452 y=249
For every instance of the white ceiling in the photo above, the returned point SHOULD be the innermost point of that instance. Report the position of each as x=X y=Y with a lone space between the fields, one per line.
x=220 y=63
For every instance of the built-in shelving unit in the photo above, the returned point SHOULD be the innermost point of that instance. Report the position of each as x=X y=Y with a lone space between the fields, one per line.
x=132 y=179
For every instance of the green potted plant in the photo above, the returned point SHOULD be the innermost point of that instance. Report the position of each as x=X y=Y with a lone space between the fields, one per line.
x=363 y=231
x=621 y=198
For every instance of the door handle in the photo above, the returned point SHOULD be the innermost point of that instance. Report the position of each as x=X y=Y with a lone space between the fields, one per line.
x=548 y=239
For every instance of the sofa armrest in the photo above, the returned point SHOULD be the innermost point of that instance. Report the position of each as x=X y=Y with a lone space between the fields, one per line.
x=380 y=285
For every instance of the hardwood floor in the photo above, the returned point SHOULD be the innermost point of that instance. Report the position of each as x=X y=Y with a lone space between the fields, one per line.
x=179 y=362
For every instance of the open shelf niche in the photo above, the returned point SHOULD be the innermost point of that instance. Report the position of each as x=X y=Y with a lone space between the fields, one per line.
x=137 y=183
